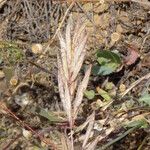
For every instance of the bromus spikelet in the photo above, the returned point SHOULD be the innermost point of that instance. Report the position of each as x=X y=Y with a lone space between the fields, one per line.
x=70 y=59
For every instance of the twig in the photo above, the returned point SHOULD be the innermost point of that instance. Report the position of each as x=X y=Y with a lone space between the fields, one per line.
x=144 y=40
x=19 y=86
x=59 y=27
x=143 y=142
x=11 y=142
x=40 y=67
x=23 y=124
x=91 y=0
x=85 y=1
x=80 y=7
x=141 y=2
x=135 y=83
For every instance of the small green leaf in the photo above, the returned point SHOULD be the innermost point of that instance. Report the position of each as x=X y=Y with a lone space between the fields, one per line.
x=109 y=61
x=89 y=94
x=141 y=123
x=113 y=57
x=109 y=86
x=145 y=98
x=108 y=68
x=104 y=94
x=102 y=60
x=51 y=116
x=96 y=70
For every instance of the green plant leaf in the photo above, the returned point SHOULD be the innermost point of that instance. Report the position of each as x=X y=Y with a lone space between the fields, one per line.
x=109 y=86
x=145 y=98
x=11 y=52
x=141 y=123
x=102 y=60
x=104 y=69
x=104 y=94
x=89 y=94
x=51 y=116
x=111 y=56
x=108 y=68
x=96 y=70
x=108 y=61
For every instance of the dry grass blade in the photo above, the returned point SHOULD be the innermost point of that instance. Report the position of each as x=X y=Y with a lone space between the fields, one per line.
x=77 y=67
x=63 y=90
x=89 y=129
x=77 y=32
x=79 y=57
x=65 y=142
x=92 y=145
x=80 y=91
x=147 y=76
x=68 y=43
x=82 y=126
x=63 y=54
x=78 y=45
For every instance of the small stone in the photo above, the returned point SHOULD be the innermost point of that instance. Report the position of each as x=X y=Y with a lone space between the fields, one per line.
x=122 y=88
x=101 y=8
x=23 y=99
x=37 y=48
x=2 y=74
x=14 y=81
x=115 y=36
x=3 y=106
x=87 y=7
x=119 y=28
x=27 y=134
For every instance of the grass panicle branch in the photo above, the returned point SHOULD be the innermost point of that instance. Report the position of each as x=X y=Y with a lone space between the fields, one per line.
x=70 y=60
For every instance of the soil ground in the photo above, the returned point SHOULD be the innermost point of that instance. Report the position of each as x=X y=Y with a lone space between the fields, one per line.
x=28 y=75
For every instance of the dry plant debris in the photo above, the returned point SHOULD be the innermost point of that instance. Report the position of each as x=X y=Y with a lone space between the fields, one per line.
x=70 y=59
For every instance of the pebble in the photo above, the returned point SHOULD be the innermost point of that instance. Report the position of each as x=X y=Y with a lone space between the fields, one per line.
x=2 y=74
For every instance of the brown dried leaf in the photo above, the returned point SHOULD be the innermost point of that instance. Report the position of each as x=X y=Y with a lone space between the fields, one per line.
x=133 y=55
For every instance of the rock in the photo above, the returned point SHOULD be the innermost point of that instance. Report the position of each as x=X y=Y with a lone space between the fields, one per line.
x=2 y=74
x=115 y=37
x=37 y=48
x=27 y=134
